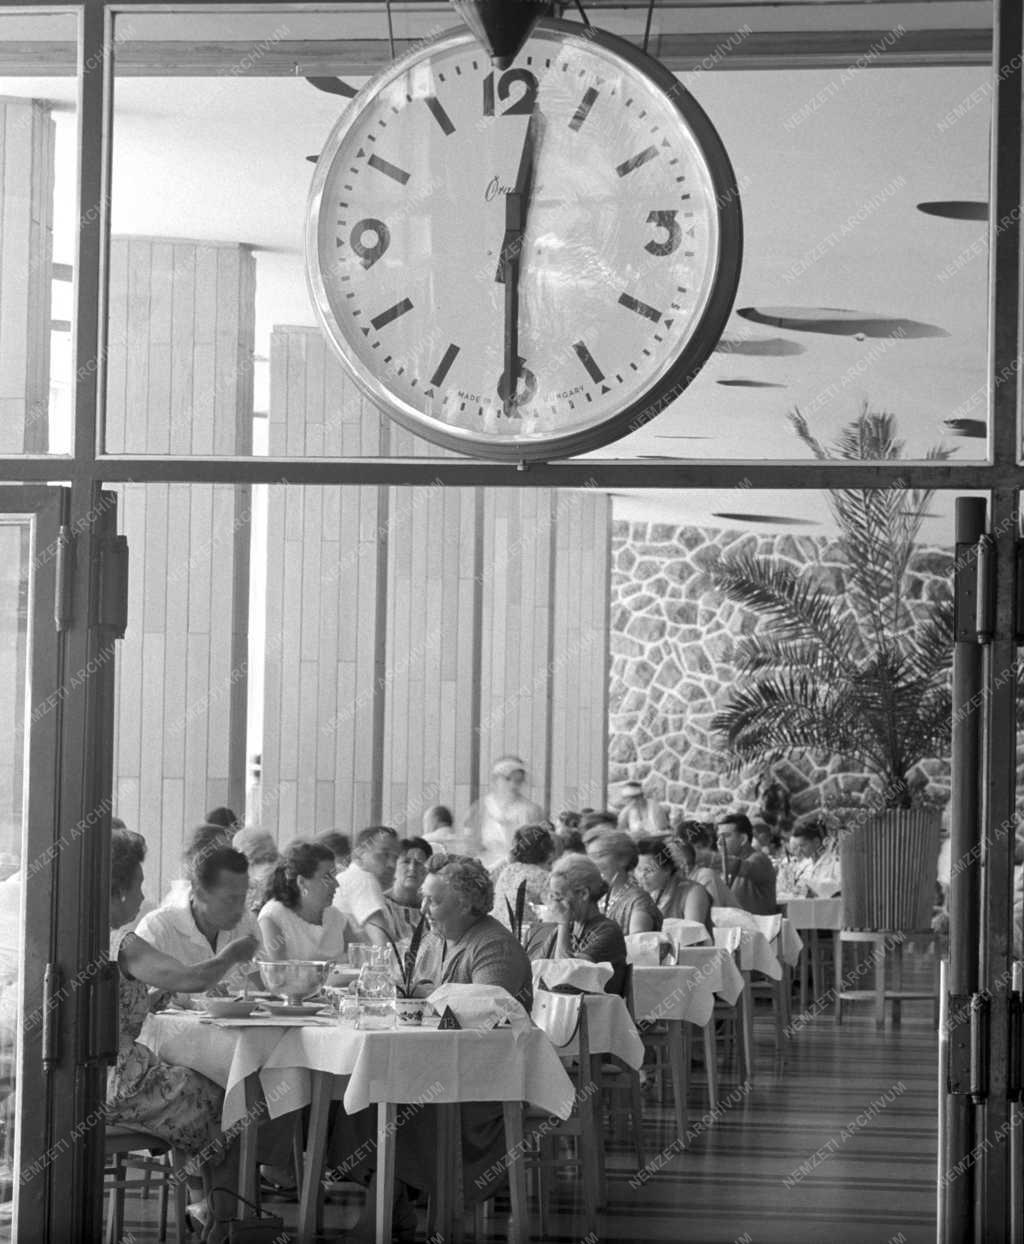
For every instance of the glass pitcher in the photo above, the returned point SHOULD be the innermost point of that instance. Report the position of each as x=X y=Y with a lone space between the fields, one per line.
x=375 y=990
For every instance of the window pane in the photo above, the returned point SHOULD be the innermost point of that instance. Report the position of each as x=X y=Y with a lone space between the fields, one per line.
x=38 y=158
x=864 y=277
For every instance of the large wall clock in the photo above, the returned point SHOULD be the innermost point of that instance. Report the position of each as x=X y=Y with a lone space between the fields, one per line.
x=524 y=264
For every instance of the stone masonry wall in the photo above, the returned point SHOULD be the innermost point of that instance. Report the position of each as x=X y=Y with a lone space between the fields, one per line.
x=673 y=640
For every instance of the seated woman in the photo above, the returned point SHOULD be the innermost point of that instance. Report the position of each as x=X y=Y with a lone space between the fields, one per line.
x=529 y=860
x=298 y=921
x=175 y=1103
x=631 y=907
x=579 y=931
x=403 y=897
x=663 y=870
x=465 y=946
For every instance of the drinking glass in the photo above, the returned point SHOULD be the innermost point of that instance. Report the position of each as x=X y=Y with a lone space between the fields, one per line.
x=375 y=991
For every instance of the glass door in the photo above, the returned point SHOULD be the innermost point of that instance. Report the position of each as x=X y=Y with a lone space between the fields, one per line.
x=35 y=544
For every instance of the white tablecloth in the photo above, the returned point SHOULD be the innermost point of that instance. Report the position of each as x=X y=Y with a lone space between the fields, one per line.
x=815 y=913
x=395 y=1065
x=672 y=993
x=685 y=932
x=610 y=1029
x=717 y=966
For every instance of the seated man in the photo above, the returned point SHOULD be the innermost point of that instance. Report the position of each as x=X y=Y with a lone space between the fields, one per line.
x=360 y=894
x=212 y=916
x=815 y=869
x=749 y=874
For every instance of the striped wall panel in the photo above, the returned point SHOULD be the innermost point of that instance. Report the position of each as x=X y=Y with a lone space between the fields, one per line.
x=323 y=603
x=180 y=330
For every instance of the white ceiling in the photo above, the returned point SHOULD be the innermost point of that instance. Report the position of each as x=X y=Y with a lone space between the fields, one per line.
x=829 y=197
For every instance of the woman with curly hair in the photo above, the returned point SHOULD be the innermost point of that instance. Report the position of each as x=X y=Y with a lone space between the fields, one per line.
x=465 y=946
x=468 y=946
x=298 y=920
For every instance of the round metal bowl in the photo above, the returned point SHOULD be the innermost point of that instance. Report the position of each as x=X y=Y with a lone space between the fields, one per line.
x=294 y=979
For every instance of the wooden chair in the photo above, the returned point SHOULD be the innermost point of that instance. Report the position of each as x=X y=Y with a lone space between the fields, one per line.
x=124 y=1149
x=617 y=1080
x=884 y=944
x=583 y=1127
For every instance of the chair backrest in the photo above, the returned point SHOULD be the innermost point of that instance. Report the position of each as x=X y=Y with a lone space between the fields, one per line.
x=627 y=991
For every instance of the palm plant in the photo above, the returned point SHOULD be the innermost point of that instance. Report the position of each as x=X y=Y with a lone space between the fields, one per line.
x=852 y=673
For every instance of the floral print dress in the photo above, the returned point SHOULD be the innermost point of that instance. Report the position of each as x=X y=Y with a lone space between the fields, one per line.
x=175 y=1103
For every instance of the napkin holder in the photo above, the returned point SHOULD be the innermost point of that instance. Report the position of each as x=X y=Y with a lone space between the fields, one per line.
x=648 y=950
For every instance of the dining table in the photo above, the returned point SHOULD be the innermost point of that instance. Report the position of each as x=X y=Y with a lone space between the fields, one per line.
x=812 y=916
x=272 y=1067
x=672 y=999
x=774 y=958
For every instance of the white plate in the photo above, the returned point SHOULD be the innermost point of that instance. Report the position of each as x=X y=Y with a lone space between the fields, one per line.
x=303 y=1008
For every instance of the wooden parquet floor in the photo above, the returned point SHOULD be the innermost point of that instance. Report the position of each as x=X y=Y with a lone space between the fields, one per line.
x=837 y=1148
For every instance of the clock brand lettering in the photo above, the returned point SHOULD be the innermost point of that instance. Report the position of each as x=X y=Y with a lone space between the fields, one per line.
x=496 y=187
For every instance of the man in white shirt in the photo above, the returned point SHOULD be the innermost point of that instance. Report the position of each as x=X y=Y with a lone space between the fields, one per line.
x=639 y=816
x=815 y=868
x=360 y=894
x=212 y=916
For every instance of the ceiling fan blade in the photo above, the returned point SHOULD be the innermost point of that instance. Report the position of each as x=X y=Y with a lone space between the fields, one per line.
x=750 y=384
x=770 y=347
x=334 y=86
x=955 y=209
x=841 y=322
x=967 y=427
x=781 y=520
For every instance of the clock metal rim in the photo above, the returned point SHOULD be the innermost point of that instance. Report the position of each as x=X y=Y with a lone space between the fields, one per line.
x=680 y=371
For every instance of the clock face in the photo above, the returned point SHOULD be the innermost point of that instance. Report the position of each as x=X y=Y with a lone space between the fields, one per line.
x=571 y=222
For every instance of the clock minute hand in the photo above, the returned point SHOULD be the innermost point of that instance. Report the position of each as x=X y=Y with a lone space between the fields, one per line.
x=517 y=202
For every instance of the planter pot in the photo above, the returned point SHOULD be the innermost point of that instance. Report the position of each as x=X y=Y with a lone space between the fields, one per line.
x=888 y=871
x=409 y=1012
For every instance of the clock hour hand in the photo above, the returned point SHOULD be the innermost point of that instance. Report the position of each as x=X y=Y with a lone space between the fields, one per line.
x=517 y=200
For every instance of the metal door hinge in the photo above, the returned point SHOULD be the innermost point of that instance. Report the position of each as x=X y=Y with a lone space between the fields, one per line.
x=52 y=995
x=111 y=596
x=65 y=576
x=974 y=592
x=967 y=1069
